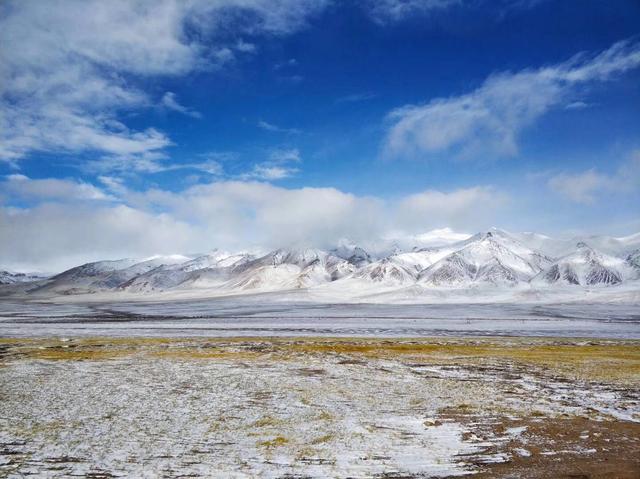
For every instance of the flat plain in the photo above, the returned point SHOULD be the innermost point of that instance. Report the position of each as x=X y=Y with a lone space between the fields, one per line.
x=319 y=407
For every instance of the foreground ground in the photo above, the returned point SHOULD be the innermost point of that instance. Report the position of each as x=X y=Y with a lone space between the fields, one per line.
x=312 y=407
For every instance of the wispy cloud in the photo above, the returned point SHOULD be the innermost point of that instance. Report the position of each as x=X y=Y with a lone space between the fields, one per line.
x=264 y=125
x=291 y=62
x=489 y=120
x=157 y=162
x=278 y=166
x=387 y=11
x=287 y=155
x=270 y=172
x=170 y=102
x=356 y=97
x=577 y=105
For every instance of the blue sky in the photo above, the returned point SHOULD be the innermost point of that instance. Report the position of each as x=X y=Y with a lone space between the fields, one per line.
x=139 y=127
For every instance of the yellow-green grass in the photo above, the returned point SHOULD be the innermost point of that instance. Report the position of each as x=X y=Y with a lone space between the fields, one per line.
x=596 y=359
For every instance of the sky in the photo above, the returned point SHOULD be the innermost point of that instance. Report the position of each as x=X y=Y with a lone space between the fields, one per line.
x=131 y=128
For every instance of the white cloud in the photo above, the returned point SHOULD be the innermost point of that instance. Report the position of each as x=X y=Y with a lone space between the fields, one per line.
x=145 y=162
x=584 y=187
x=285 y=156
x=264 y=125
x=264 y=171
x=54 y=236
x=154 y=162
x=70 y=67
x=113 y=183
x=277 y=167
x=228 y=214
x=50 y=188
x=489 y=120
x=170 y=102
x=577 y=105
x=212 y=167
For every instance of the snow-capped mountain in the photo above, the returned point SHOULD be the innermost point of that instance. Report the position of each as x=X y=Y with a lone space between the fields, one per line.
x=492 y=257
x=587 y=267
x=353 y=253
x=493 y=260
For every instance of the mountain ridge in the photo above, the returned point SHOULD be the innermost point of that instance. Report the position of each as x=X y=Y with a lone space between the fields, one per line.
x=492 y=259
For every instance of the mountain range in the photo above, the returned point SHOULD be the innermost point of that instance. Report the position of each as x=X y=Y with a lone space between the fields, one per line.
x=493 y=260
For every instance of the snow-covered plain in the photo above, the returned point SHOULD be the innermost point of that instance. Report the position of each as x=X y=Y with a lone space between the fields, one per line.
x=272 y=315
x=313 y=408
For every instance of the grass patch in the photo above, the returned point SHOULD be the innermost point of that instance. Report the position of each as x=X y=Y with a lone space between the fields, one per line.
x=322 y=439
x=277 y=441
x=73 y=354
x=325 y=416
x=267 y=421
x=197 y=353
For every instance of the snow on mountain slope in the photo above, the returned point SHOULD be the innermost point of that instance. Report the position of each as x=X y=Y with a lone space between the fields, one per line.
x=493 y=257
x=404 y=266
x=268 y=278
x=391 y=270
x=285 y=269
x=216 y=264
x=401 y=268
x=104 y=275
x=121 y=276
x=586 y=267
x=79 y=279
x=91 y=270
x=533 y=256
x=422 y=258
x=201 y=262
